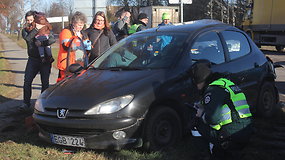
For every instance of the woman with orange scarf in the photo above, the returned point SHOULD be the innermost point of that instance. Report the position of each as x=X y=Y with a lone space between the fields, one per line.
x=101 y=35
x=71 y=38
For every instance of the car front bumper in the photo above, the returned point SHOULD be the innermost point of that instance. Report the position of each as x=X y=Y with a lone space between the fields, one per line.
x=94 y=138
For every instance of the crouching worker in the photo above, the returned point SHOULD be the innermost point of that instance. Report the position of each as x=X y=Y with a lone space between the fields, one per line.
x=224 y=118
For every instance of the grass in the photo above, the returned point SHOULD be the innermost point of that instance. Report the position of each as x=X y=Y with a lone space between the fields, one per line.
x=18 y=144
x=54 y=51
x=7 y=90
x=26 y=146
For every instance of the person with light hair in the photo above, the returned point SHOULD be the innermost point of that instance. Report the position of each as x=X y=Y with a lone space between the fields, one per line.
x=71 y=39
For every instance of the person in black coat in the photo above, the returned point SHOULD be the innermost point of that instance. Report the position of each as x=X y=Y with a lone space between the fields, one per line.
x=121 y=26
x=100 y=35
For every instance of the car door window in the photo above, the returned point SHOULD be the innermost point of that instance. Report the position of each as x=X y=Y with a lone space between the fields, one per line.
x=237 y=44
x=208 y=46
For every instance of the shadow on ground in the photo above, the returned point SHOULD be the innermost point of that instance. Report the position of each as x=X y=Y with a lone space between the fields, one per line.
x=5 y=51
x=12 y=58
x=4 y=99
x=280 y=87
x=267 y=143
x=13 y=85
x=12 y=71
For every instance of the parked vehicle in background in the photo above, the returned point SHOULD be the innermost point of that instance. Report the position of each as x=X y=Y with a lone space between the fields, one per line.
x=138 y=92
x=264 y=22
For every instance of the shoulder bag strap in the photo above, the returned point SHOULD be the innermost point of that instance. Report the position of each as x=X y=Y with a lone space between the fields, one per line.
x=97 y=38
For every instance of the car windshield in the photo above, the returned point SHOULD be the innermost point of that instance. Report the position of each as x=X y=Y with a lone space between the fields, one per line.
x=143 y=51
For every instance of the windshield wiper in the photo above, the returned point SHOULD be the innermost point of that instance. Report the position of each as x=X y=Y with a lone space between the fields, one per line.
x=120 y=68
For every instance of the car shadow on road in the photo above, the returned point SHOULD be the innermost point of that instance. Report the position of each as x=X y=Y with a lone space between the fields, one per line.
x=268 y=140
x=280 y=62
x=270 y=52
x=4 y=99
x=280 y=87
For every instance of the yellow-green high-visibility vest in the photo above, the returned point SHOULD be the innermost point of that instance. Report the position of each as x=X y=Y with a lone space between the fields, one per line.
x=238 y=100
x=133 y=28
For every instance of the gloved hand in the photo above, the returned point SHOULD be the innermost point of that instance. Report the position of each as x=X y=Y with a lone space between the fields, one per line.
x=87 y=45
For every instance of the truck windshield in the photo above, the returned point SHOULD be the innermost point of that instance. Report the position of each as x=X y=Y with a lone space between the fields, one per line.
x=143 y=51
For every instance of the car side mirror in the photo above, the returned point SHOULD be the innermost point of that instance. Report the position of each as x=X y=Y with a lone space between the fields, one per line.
x=74 y=68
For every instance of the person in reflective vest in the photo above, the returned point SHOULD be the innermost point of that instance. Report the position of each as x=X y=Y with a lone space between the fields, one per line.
x=140 y=25
x=223 y=115
x=74 y=38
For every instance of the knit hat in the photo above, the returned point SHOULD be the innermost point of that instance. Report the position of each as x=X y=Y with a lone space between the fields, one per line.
x=142 y=16
x=201 y=71
x=165 y=16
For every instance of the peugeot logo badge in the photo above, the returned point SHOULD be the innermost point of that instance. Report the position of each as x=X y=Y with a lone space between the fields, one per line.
x=61 y=113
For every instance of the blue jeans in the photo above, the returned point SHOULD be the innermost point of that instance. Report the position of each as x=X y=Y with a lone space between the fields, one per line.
x=33 y=67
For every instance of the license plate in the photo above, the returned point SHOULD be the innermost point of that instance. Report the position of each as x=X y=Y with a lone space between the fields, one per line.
x=68 y=140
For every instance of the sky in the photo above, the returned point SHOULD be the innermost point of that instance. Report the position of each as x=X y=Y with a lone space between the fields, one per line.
x=42 y=5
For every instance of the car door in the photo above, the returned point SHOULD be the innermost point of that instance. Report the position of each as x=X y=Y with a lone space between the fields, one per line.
x=229 y=52
x=242 y=61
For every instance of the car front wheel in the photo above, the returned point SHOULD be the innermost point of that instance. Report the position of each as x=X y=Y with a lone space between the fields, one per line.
x=267 y=100
x=163 y=129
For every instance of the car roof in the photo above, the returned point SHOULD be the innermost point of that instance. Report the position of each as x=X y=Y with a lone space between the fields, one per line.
x=190 y=26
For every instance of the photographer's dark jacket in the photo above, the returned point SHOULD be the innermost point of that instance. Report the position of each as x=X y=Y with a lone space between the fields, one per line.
x=104 y=42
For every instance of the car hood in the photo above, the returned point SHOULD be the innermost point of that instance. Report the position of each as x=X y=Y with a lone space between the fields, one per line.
x=95 y=86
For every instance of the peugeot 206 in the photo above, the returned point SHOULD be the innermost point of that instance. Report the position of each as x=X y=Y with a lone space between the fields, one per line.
x=138 y=93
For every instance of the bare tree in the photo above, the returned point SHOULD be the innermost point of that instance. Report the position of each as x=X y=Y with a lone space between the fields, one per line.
x=36 y=5
x=10 y=14
x=57 y=10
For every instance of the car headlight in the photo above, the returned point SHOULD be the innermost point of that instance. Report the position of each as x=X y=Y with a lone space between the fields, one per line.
x=39 y=105
x=111 y=106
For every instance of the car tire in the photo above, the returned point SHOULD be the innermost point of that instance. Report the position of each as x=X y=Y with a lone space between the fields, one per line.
x=163 y=129
x=267 y=100
x=279 y=48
